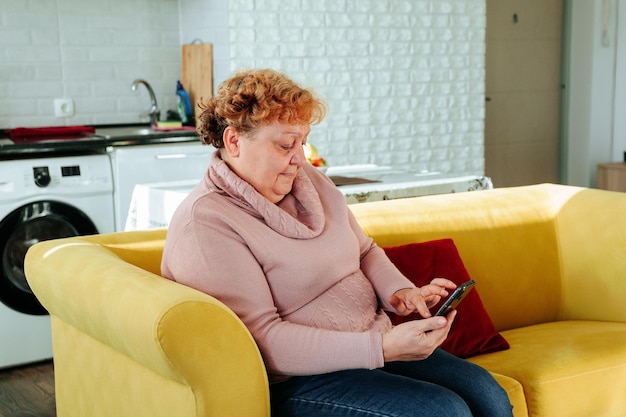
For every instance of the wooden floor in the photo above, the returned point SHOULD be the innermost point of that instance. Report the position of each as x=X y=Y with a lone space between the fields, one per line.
x=27 y=391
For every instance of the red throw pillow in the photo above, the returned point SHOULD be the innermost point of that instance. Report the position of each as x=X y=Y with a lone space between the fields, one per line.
x=473 y=331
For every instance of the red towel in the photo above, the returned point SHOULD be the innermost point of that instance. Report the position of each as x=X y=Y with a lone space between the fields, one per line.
x=50 y=131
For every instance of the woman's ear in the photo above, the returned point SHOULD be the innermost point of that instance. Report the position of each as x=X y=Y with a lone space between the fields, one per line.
x=231 y=141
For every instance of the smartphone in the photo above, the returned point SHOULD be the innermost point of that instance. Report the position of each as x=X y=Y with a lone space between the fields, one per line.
x=457 y=296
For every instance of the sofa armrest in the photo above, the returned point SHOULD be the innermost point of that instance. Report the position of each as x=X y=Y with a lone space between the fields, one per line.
x=177 y=332
x=592 y=235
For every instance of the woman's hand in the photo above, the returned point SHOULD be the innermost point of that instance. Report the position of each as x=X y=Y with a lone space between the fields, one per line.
x=416 y=339
x=409 y=300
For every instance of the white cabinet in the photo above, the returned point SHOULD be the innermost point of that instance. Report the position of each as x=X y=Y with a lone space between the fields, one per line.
x=139 y=164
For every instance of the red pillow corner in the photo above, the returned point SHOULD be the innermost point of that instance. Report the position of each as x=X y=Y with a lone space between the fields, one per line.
x=473 y=332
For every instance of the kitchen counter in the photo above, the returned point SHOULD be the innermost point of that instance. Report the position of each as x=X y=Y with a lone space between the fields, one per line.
x=153 y=204
x=98 y=142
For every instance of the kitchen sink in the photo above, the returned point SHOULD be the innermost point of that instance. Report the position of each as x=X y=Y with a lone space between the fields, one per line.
x=143 y=131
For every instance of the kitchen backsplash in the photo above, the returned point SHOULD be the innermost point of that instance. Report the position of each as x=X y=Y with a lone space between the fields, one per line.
x=404 y=79
x=89 y=52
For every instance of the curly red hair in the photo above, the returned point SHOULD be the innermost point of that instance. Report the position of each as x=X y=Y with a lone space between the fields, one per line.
x=255 y=98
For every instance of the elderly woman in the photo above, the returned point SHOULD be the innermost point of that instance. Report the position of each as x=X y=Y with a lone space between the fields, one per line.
x=272 y=237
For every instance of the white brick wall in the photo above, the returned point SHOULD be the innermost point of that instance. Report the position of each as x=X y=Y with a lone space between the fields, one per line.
x=207 y=21
x=404 y=79
x=90 y=52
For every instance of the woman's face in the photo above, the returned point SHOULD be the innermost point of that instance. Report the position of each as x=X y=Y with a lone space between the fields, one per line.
x=268 y=157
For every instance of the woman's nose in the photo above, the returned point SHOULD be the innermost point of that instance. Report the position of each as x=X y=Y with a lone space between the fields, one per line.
x=298 y=157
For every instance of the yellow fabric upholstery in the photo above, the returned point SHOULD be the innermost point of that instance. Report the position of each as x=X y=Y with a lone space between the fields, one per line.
x=515 y=390
x=567 y=368
x=549 y=261
x=130 y=343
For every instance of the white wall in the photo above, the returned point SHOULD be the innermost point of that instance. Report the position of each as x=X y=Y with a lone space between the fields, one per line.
x=90 y=52
x=208 y=21
x=404 y=79
x=619 y=108
x=594 y=118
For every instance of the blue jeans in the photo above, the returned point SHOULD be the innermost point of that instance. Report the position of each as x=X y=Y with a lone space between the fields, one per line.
x=440 y=386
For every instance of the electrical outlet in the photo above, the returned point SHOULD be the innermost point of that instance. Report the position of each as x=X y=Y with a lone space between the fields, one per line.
x=63 y=107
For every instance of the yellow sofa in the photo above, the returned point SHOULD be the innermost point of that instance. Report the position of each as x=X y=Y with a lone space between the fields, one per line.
x=550 y=263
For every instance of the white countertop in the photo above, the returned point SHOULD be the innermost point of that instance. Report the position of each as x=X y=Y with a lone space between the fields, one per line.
x=154 y=204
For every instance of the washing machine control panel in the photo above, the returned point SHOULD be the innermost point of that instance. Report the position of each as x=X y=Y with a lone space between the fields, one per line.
x=41 y=176
x=77 y=175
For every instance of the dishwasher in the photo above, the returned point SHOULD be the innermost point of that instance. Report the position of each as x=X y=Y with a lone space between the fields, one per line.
x=149 y=163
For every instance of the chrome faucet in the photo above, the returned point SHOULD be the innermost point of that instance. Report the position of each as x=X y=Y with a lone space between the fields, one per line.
x=154 y=107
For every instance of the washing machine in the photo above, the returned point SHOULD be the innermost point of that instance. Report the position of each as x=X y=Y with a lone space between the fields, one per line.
x=40 y=199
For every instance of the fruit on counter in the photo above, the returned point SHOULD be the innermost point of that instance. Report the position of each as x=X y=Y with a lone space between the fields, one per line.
x=318 y=161
x=312 y=157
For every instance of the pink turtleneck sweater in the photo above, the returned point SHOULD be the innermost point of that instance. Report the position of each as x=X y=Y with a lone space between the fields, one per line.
x=301 y=274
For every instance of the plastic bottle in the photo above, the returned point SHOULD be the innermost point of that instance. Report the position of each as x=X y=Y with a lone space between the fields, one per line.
x=184 y=105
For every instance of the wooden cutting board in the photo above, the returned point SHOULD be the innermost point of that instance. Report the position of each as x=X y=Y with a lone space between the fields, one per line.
x=197 y=72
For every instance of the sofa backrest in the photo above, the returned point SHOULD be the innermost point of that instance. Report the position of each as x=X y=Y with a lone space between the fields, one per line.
x=507 y=239
x=539 y=253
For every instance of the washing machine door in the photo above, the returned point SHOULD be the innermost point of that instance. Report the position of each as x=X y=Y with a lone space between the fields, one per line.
x=21 y=229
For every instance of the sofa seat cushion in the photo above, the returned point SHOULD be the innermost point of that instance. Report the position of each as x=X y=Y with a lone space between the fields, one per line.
x=567 y=368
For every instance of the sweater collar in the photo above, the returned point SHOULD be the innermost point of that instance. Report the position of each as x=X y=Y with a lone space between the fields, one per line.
x=298 y=215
